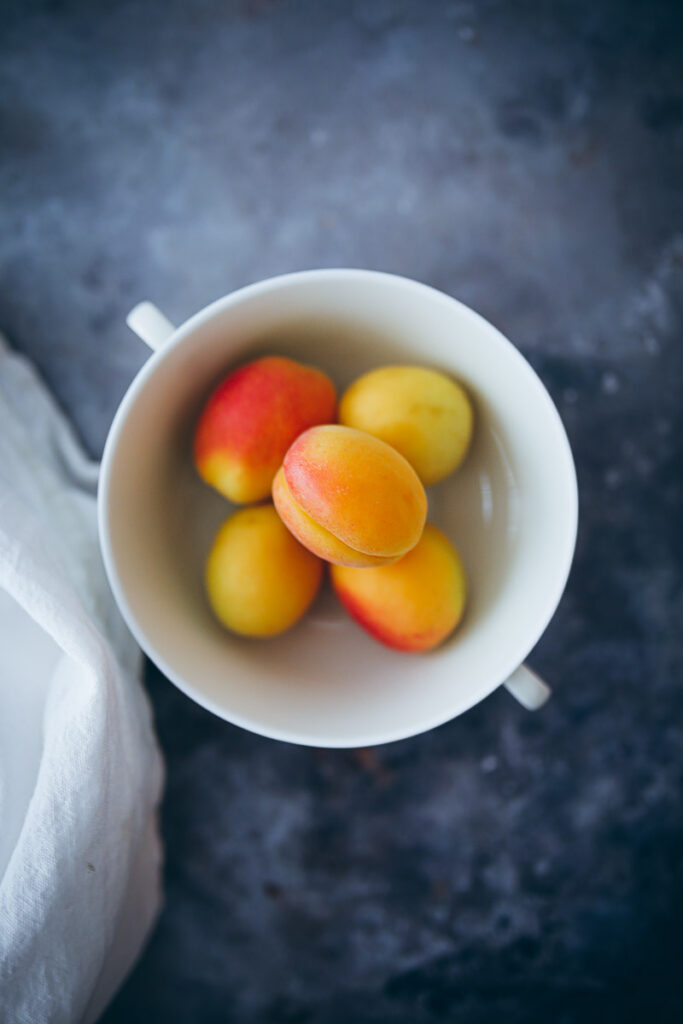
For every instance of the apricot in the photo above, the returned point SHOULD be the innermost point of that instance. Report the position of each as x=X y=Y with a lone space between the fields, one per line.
x=259 y=579
x=349 y=497
x=422 y=413
x=250 y=420
x=412 y=605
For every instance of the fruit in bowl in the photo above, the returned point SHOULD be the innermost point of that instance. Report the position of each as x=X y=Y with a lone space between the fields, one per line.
x=349 y=494
x=259 y=579
x=251 y=419
x=412 y=604
x=424 y=414
x=350 y=498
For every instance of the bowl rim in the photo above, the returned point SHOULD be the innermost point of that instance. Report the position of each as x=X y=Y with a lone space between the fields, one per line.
x=373 y=737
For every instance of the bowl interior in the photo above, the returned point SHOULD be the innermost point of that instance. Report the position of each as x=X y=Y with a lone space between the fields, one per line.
x=510 y=509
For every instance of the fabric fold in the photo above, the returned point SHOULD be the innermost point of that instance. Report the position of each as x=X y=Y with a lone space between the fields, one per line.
x=80 y=769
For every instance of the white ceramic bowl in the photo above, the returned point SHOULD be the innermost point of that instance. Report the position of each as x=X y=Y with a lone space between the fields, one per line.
x=511 y=510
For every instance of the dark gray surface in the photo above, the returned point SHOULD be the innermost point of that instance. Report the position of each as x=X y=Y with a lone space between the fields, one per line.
x=526 y=158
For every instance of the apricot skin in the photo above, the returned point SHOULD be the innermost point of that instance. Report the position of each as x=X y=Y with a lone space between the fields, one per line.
x=259 y=580
x=350 y=498
x=412 y=605
x=251 y=419
x=422 y=413
x=315 y=537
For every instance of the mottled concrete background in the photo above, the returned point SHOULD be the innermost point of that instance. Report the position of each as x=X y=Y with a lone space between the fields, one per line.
x=527 y=158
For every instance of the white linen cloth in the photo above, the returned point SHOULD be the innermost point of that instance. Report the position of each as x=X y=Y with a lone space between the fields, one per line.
x=80 y=770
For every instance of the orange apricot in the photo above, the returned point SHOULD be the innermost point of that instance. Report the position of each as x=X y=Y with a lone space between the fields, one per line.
x=349 y=497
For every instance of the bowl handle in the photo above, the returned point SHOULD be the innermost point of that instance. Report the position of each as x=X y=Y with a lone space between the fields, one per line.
x=150 y=324
x=528 y=688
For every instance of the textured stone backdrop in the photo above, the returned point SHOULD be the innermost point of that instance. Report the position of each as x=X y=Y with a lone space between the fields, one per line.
x=527 y=158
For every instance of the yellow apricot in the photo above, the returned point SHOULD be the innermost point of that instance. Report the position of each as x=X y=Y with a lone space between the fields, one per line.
x=422 y=413
x=259 y=579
